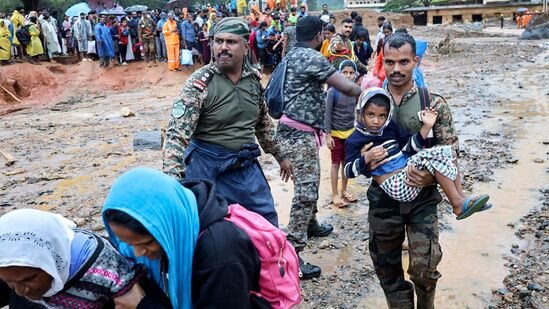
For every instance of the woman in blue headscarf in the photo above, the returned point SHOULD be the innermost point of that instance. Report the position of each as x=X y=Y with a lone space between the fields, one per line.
x=155 y=220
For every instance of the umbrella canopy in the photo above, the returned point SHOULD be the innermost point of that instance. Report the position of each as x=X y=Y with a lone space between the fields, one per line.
x=177 y=3
x=136 y=8
x=100 y=5
x=78 y=8
x=522 y=10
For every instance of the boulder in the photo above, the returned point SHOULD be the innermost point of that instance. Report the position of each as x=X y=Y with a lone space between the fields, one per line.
x=537 y=29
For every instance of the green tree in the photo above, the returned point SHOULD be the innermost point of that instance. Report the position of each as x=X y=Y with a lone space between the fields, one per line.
x=400 y=5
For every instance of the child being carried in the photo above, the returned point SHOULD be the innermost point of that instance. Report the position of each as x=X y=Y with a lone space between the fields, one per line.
x=374 y=125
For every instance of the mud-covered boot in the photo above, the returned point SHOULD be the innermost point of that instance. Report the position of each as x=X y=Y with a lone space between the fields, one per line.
x=401 y=299
x=425 y=300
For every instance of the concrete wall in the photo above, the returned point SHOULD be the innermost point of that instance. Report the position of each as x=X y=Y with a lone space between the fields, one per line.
x=467 y=13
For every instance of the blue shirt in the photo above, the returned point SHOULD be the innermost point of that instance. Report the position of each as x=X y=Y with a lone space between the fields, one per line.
x=187 y=31
x=260 y=36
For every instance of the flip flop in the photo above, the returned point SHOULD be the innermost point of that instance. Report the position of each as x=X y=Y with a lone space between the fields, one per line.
x=349 y=198
x=477 y=203
x=485 y=207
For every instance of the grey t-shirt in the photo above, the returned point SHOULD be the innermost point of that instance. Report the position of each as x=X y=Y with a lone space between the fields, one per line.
x=340 y=115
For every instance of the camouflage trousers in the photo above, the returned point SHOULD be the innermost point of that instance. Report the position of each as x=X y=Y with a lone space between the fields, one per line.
x=300 y=148
x=149 y=50
x=389 y=220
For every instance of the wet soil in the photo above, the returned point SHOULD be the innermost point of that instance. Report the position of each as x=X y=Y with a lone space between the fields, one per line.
x=69 y=150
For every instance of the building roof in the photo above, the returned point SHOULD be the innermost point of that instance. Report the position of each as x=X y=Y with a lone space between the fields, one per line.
x=468 y=6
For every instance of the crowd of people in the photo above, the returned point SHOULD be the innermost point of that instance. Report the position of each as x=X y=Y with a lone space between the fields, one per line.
x=173 y=238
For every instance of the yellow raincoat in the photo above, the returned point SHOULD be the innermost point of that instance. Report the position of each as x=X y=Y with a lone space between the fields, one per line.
x=5 y=45
x=17 y=21
x=35 y=46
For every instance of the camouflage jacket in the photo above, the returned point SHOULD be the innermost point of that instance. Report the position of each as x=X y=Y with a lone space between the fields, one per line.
x=186 y=113
x=444 y=129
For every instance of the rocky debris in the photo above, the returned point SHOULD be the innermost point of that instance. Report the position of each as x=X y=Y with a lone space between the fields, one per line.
x=8 y=158
x=538 y=160
x=537 y=29
x=528 y=279
x=147 y=140
x=127 y=112
x=445 y=46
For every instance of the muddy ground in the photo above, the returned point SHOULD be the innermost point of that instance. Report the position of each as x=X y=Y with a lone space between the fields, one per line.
x=70 y=146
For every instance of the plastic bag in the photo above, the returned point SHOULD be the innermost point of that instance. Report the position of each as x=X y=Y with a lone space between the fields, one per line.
x=91 y=47
x=186 y=57
x=370 y=80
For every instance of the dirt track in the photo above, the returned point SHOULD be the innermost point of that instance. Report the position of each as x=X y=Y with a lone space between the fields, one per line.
x=72 y=145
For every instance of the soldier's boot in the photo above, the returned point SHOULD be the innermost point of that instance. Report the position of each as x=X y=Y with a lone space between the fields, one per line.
x=316 y=229
x=403 y=299
x=307 y=270
x=425 y=300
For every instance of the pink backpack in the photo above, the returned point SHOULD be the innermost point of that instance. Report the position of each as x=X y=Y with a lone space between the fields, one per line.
x=279 y=277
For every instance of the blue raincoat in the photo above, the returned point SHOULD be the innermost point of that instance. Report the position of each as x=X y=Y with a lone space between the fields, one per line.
x=105 y=48
x=169 y=212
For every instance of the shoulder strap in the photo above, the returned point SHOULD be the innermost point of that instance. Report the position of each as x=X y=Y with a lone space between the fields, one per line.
x=202 y=80
x=424 y=97
x=335 y=95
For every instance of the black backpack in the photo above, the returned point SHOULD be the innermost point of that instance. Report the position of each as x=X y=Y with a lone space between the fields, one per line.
x=23 y=35
x=274 y=93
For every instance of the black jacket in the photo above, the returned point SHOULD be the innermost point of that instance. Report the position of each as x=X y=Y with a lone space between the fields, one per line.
x=226 y=265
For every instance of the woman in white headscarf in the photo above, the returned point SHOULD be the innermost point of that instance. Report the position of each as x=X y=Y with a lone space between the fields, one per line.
x=46 y=263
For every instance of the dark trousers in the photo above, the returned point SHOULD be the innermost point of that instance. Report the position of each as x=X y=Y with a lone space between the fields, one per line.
x=123 y=49
x=389 y=221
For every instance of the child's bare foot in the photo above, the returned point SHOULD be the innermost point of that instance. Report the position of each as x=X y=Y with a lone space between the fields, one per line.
x=348 y=197
x=338 y=202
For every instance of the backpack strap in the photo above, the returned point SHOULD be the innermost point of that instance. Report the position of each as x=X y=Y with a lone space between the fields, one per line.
x=202 y=80
x=335 y=94
x=424 y=97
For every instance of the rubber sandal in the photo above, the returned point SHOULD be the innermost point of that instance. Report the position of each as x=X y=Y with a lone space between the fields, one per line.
x=349 y=198
x=485 y=207
x=477 y=203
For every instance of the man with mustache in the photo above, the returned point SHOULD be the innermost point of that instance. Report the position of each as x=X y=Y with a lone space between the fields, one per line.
x=341 y=47
x=215 y=121
x=388 y=219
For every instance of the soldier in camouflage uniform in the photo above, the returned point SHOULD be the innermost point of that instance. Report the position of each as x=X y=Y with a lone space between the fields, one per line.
x=215 y=120
x=146 y=28
x=389 y=220
x=300 y=127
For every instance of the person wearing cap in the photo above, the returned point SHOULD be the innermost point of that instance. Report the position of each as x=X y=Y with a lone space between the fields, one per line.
x=146 y=27
x=215 y=121
x=171 y=36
